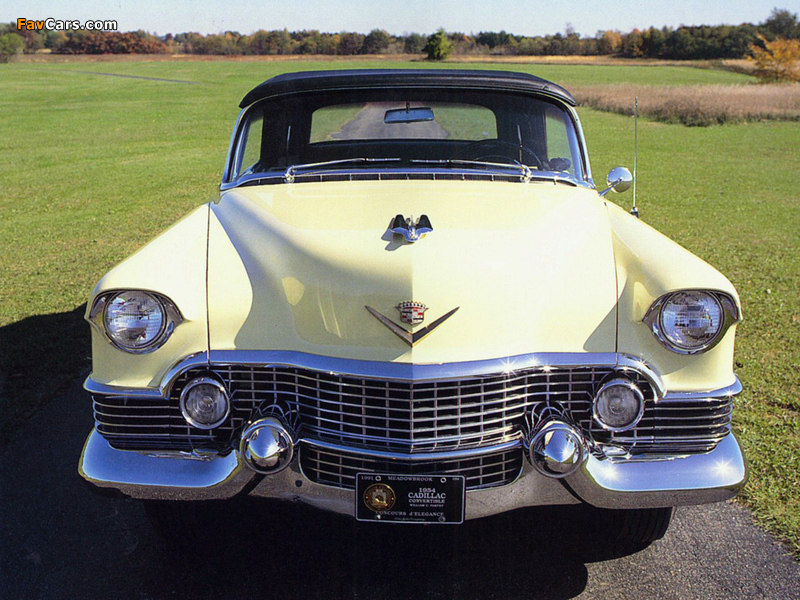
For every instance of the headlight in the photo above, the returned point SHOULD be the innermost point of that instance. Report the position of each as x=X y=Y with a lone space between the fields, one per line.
x=618 y=405
x=204 y=403
x=135 y=321
x=691 y=321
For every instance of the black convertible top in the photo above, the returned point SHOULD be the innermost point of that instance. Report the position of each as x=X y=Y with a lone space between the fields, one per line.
x=309 y=81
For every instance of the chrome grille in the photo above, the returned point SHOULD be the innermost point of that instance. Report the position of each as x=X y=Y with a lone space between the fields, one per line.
x=409 y=416
x=133 y=423
x=339 y=469
x=406 y=416
x=678 y=426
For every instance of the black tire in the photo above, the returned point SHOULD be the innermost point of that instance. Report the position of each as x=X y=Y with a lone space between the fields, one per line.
x=640 y=527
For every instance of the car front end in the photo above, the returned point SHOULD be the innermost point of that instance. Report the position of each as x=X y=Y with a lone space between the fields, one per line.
x=414 y=337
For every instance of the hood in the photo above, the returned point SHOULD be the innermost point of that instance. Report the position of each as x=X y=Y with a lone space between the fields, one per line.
x=530 y=268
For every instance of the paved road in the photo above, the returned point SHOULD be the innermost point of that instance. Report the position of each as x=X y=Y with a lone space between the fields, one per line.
x=60 y=540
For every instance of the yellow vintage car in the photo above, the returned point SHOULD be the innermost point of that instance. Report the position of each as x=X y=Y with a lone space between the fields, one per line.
x=412 y=304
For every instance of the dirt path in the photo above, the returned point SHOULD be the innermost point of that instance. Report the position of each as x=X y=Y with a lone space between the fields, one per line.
x=368 y=125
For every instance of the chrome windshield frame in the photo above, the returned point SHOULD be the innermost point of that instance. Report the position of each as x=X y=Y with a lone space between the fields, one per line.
x=233 y=151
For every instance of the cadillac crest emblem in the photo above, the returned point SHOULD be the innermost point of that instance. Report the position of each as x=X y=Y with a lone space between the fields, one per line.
x=412 y=313
x=379 y=497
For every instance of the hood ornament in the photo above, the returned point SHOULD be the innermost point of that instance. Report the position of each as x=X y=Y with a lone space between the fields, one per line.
x=410 y=230
x=411 y=313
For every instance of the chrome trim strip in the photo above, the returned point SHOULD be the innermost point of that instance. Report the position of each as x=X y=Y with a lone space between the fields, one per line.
x=626 y=362
x=94 y=387
x=587 y=173
x=226 y=172
x=389 y=370
x=733 y=389
x=546 y=177
x=415 y=457
x=406 y=371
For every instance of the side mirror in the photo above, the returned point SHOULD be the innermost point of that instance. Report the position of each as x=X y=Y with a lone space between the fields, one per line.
x=619 y=180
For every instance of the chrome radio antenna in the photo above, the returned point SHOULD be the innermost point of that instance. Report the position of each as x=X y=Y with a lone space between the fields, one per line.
x=634 y=210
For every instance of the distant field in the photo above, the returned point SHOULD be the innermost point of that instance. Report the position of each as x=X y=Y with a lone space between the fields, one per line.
x=92 y=166
x=697 y=104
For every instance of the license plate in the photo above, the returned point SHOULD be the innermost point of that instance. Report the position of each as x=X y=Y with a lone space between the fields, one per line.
x=410 y=498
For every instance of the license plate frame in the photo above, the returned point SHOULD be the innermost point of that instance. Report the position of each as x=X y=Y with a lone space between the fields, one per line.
x=410 y=499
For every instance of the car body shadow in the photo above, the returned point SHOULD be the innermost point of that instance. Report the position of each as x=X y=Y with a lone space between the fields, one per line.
x=269 y=548
x=40 y=357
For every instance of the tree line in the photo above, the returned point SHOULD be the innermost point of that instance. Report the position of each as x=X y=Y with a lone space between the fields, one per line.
x=681 y=43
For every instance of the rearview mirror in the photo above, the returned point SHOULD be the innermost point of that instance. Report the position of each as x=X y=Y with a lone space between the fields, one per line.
x=408 y=115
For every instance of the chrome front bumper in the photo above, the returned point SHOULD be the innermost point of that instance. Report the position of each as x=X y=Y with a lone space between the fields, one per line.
x=640 y=482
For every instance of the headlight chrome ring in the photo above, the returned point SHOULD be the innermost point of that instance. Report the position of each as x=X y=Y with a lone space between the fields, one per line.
x=135 y=321
x=691 y=321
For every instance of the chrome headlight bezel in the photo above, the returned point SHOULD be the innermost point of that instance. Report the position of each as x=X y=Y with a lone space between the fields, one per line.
x=653 y=319
x=172 y=318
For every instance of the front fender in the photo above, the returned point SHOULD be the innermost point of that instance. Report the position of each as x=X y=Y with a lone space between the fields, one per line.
x=650 y=265
x=173 y=264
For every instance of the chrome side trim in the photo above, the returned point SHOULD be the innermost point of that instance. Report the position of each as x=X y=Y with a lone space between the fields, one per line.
x=733 y=389
x=226 y=173
x=415 y=457
x=94 y=387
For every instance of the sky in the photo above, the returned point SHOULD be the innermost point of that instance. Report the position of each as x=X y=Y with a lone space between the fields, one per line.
x=522 y=17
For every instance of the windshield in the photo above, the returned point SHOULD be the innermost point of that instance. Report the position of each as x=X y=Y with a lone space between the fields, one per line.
x=406 y=129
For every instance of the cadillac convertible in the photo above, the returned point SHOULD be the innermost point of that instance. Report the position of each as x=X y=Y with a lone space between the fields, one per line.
x=411 y=303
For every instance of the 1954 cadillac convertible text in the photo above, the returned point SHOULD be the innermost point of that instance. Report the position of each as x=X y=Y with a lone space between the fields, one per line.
x=410 y=303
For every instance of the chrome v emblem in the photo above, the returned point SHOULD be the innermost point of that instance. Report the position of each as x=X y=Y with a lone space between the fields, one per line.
x=405 y=335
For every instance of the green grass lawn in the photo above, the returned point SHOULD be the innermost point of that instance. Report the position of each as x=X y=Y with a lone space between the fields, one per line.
x=92 y=166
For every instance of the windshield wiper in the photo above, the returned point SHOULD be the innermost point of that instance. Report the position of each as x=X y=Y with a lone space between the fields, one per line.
x=289 y=174
x=525 y=171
